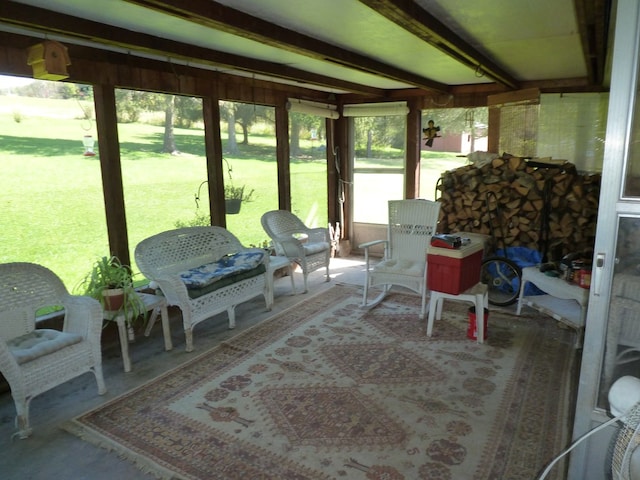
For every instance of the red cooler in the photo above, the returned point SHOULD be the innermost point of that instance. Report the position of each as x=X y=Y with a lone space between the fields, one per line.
x=454 y=270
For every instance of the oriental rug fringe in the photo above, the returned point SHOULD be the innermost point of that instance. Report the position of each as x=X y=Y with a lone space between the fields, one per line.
x=327 y=390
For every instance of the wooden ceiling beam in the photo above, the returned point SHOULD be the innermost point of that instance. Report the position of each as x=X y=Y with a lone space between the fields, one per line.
x=215 y=15
x=409 y=15
x=93 y=66
x=593 y=18
x=39 y=20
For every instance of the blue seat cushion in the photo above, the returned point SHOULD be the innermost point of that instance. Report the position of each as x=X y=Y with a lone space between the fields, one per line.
x=229 y=267
x=198 y=292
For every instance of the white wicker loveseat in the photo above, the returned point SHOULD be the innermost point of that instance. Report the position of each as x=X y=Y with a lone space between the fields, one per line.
x=204 y=271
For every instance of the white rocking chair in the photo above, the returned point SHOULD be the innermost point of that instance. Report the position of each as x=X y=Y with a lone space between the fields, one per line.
x=412 y=223
x=36 y=360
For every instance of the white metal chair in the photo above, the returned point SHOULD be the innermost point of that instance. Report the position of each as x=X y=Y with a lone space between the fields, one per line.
x=308 y=247
x=412 y=223
x=36 y=360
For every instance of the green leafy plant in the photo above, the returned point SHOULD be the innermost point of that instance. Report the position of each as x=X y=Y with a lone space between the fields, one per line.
x=108 y=274
x=237 y=193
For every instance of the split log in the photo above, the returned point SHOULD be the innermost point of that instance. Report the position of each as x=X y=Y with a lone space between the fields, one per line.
x=522 y=193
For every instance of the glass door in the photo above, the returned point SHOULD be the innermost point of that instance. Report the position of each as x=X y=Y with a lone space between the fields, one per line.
x=378 y=166
x=612 y=337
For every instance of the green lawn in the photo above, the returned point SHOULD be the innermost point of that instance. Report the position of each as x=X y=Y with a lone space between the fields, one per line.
x=51 y=195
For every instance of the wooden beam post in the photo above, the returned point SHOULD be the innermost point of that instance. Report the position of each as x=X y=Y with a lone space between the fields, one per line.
x=332 y=174
x=213 y=151
x=412 y=153
x=343 y=199
x=282 y=155
x=493 y=140
x=109 y=147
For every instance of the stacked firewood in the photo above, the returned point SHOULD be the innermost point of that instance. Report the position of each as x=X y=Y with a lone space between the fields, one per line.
x=548 y=207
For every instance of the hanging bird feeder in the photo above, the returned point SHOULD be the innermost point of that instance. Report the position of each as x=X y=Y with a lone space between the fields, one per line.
x=88 y=143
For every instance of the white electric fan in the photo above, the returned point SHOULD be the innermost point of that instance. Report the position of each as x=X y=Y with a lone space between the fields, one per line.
x=623 y=459
x=624 y=397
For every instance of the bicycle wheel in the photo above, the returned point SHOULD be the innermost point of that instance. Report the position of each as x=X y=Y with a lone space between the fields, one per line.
x=503 y=278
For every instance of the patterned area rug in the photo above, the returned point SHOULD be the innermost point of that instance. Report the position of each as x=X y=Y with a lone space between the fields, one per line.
x=327 y=390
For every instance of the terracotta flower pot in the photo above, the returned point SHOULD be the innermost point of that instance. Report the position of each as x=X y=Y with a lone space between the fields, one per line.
x=113 y=299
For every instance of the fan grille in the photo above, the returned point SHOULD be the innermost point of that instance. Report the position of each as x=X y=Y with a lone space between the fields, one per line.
x=627 y=441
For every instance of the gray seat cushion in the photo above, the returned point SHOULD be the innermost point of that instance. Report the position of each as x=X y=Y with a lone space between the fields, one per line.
x=40 y=342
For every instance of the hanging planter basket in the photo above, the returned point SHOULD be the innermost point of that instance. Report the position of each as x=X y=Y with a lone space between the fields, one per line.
x=232 y=205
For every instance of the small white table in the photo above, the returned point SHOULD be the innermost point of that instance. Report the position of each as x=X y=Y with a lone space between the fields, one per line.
x=478 y=295
x=559 y=301
x=154 y=304
x=275 y=264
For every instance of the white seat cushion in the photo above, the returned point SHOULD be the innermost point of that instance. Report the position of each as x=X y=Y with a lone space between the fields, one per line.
x=315 y=247
x=400 y=266
x=40 y=342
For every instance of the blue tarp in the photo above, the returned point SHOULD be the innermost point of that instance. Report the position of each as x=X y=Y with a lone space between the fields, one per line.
x=524 y=257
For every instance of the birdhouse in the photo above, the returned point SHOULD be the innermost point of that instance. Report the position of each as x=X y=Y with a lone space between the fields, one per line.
x=49 y=60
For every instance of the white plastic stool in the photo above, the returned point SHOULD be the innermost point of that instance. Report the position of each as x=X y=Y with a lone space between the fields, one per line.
x=478 y=295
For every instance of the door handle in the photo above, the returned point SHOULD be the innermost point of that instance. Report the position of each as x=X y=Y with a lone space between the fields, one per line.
x=598 y=273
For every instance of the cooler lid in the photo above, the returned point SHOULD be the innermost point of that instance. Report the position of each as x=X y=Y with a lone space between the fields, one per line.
x=464 y=251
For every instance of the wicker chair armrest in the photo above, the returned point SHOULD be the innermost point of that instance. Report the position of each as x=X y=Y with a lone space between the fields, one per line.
x=83 y=315
x=318 y=234
x=372 y=243
x=291 y=246
x=8 y=365
x=174 y=290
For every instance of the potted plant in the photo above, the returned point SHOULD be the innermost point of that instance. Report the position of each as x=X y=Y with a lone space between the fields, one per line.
x=233 y=197
x=111 y=283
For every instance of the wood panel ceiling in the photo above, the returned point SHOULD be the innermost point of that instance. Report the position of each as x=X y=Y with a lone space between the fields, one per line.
x=367 y=47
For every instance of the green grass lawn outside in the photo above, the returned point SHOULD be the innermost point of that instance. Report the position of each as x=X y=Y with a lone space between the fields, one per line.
x=51 y=194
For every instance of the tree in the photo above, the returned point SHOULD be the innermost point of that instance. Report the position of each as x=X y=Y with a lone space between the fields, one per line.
x=169 y=145
x=227 y=112
x=245 y=115
x=303 y=124
x=131 y=103
x=294 y=135
x=188 y=111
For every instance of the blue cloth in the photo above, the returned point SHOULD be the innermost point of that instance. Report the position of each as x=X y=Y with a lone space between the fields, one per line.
x=524 y=257
x=226 y=266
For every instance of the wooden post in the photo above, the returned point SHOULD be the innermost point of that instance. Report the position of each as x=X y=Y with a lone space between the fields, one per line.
x=213 y=150
x=412 y=154
x=493 y=141
x=109 y=146
x=282 y=155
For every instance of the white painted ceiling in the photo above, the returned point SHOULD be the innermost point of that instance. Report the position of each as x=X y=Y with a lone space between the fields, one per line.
x=531 y=40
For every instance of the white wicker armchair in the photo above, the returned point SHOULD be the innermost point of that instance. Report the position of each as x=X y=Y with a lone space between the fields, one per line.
x=36 y=360
x=308 y=247
x=412 y=223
